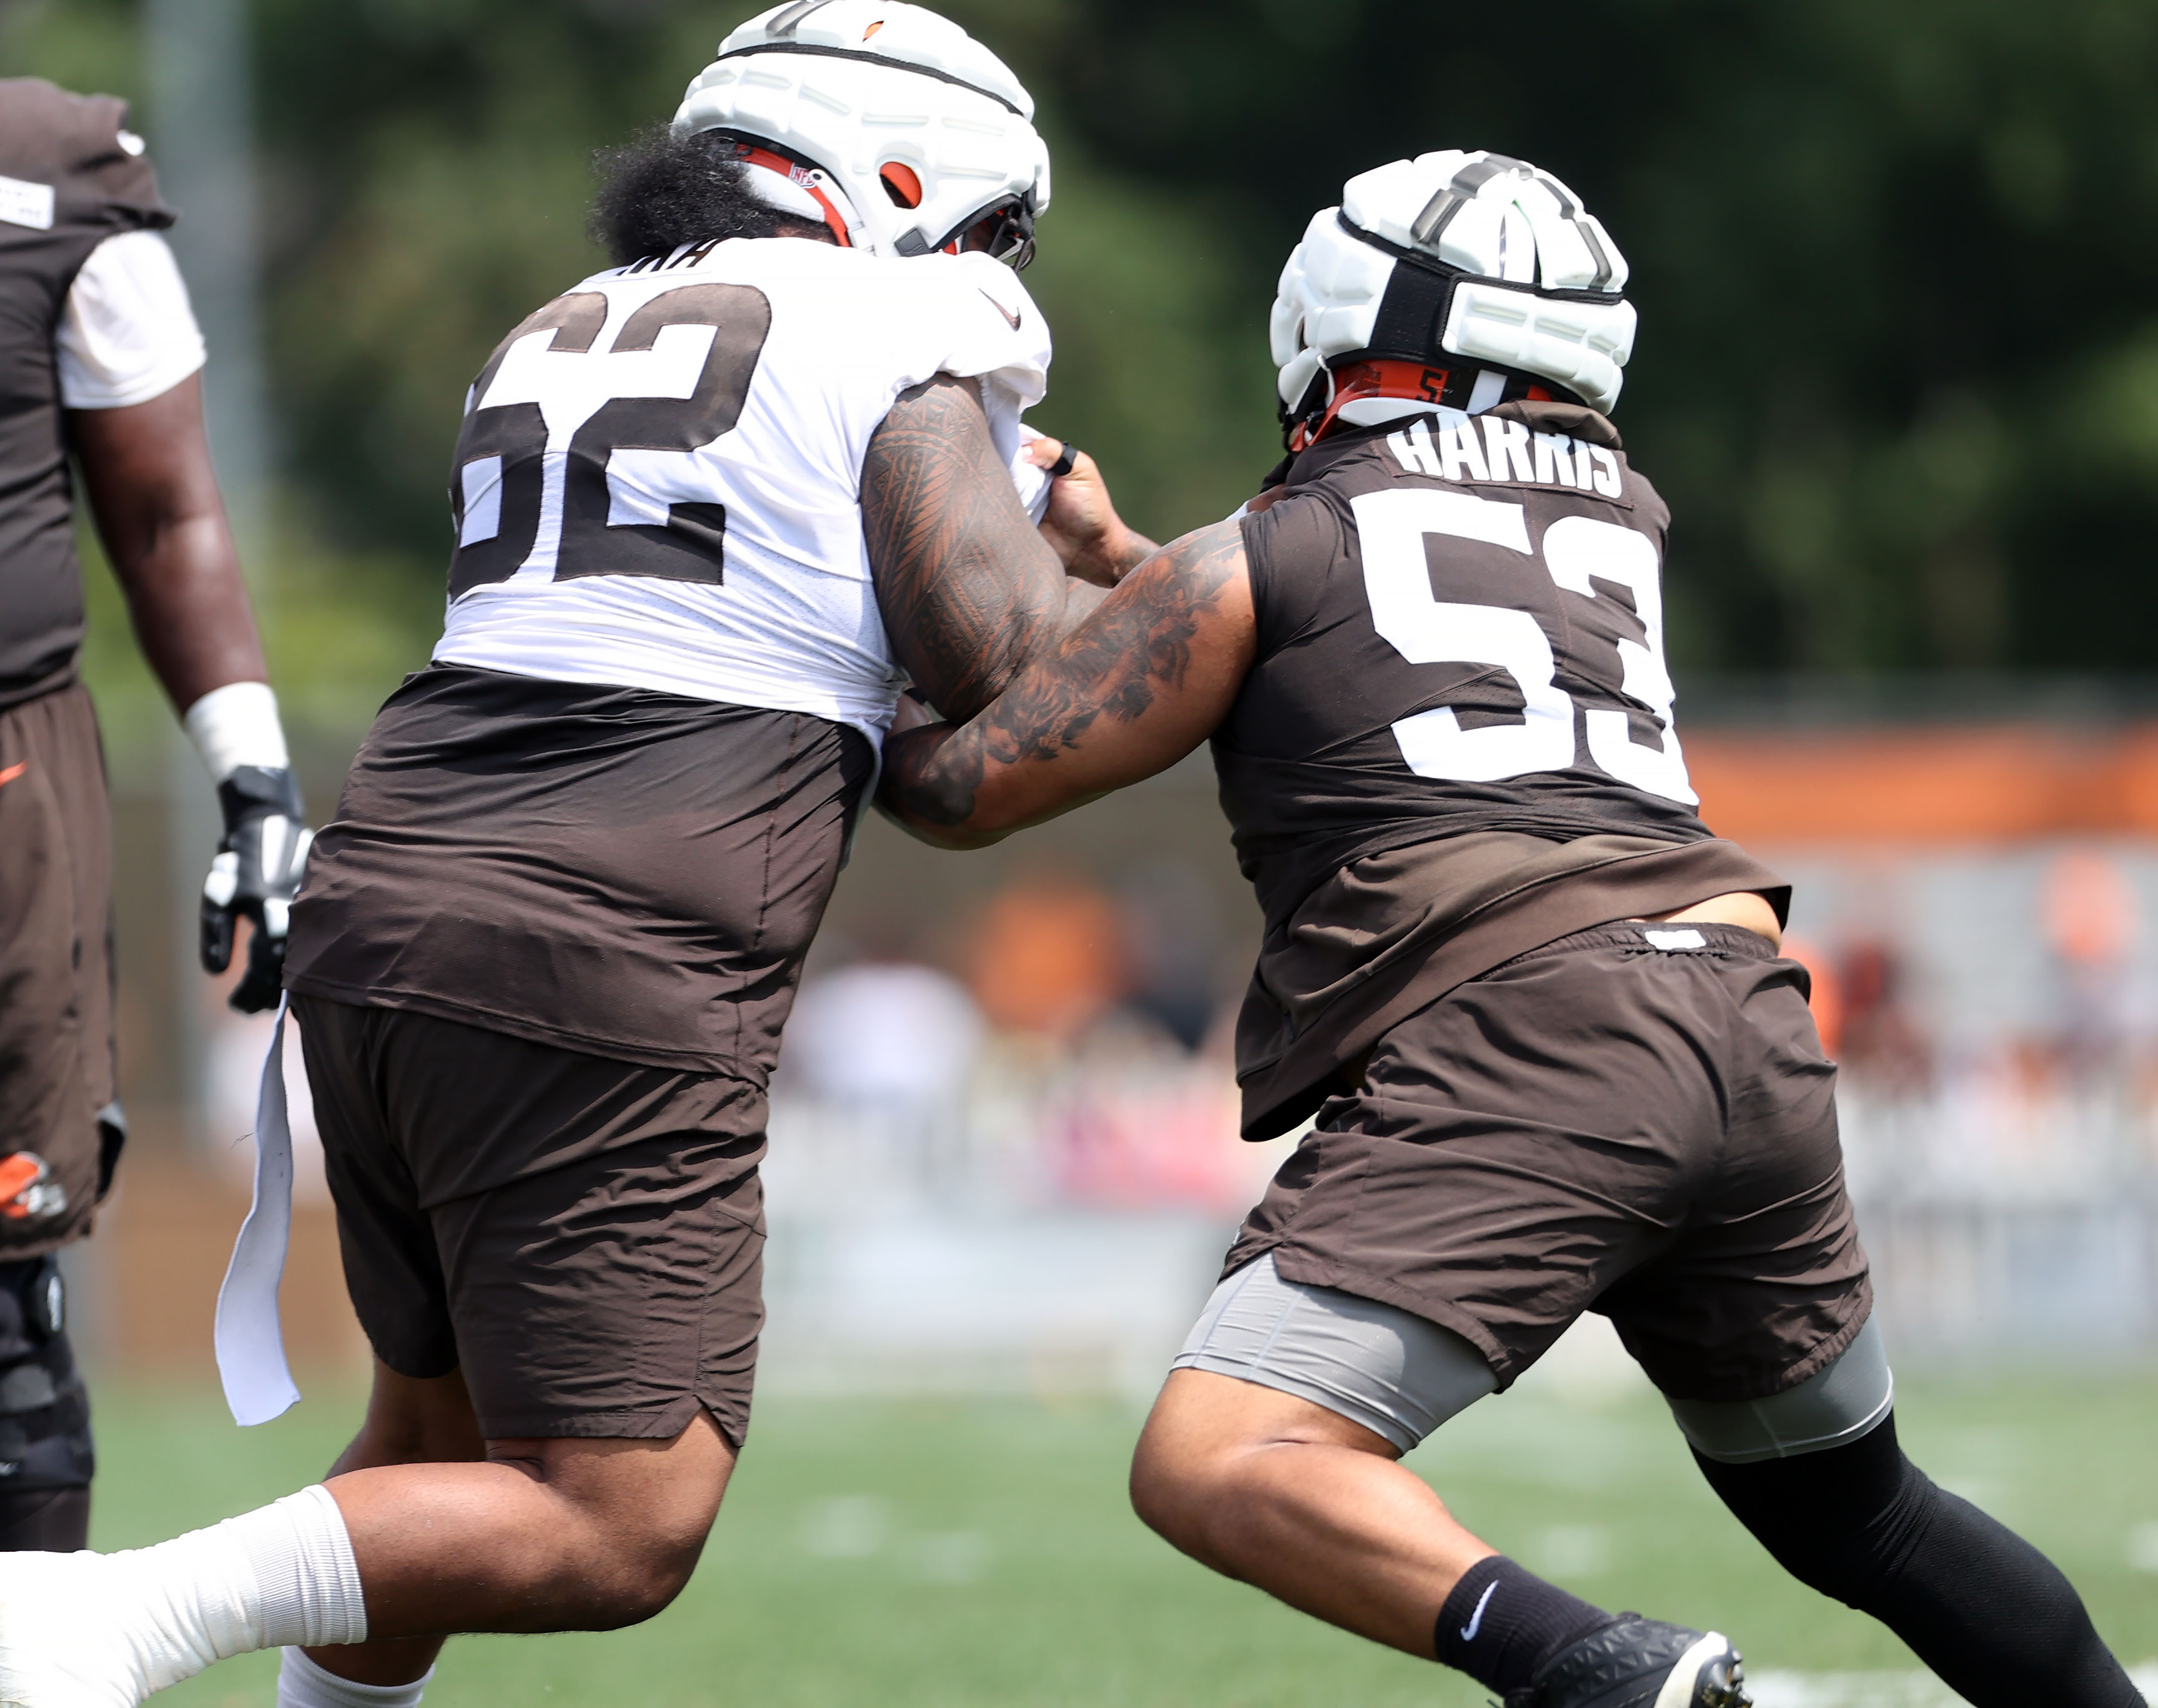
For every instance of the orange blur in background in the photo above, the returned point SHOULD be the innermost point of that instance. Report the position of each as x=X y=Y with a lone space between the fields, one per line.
x=2011 y=783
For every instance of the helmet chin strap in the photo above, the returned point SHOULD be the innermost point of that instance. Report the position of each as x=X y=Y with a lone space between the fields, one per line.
x=1455 y=386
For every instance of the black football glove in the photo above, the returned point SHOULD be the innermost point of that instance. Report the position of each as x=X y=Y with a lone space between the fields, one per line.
x=255 y=876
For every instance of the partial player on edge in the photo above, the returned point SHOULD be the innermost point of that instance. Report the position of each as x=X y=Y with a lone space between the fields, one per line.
x=102 y=363
x=714 y=507
x=1534 y=1005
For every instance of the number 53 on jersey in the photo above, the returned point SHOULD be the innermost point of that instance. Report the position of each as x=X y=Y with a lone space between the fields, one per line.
x=1576 y=553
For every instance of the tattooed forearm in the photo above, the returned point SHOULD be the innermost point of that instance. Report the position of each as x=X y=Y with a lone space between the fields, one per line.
x=970 y=593
x=1139 y=684
x=1117 y=662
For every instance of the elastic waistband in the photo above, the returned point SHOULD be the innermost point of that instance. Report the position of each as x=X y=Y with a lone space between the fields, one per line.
x=59 y=688
x=1651 y=937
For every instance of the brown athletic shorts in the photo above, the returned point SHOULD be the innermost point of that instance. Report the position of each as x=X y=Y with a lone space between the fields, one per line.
x=584 y=1238
x=1636 y=1120
x=59 y=1124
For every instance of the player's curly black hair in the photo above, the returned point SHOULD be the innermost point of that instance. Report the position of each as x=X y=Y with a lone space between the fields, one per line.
x=660 y=190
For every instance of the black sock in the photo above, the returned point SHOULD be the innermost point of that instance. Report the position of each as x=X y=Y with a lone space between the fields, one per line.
x=1986 y=1611
x=1502 y=1620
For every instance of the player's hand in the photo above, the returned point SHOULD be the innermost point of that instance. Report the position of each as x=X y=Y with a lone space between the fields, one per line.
x=1081 y=524
x=254 y=877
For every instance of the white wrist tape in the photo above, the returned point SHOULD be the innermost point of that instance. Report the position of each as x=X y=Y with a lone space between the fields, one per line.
x=235 y=726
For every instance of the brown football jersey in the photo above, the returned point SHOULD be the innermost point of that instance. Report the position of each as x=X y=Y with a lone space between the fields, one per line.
x=68 y=181
x=1457 y=734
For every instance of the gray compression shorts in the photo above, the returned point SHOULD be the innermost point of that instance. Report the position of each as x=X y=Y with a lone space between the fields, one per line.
x=1400 y=1377
x=1376 y=1364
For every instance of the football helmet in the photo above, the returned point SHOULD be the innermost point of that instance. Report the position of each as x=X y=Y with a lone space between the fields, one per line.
x=885 y=121
x=1474 y=256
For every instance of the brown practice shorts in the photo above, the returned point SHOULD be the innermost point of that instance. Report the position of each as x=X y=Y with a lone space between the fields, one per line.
x=1601 y=1124
x=583 y=1238
x=59 y=1125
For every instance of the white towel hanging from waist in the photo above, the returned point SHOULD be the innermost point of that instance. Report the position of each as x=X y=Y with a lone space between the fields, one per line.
x=249 y=1336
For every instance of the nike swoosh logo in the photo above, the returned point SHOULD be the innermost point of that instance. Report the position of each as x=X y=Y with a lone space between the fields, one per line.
x=1476 y=1619
x=13 y=771
x=1001 y=309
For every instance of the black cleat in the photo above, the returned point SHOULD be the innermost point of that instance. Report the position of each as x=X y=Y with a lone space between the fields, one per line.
x=1638 y=1663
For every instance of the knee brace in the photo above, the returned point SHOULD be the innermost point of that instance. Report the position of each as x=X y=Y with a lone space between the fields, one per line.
x=44 y=1411
x=44 y=1521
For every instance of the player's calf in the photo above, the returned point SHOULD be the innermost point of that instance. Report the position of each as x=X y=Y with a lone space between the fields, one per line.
x=410 y=1421
x=1990 y=1615
x=560 y=1534
x=106 y=1630
x=555 y=1535
x=1271 y=1457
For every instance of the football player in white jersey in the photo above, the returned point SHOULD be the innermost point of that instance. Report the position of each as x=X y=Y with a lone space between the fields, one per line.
x=714 y=508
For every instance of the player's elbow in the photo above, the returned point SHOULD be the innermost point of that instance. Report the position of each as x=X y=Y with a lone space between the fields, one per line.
x=965 y=838
x=956 y=840
x=939 y=817
x=938 y=787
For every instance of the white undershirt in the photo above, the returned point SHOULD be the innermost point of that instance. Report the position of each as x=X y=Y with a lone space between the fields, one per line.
x=127 y=334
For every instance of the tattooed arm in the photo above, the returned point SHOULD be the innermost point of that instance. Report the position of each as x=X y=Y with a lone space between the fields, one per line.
x=970 y=592
x=1136 y=686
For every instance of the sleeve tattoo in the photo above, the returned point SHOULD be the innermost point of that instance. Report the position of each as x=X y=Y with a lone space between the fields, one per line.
x=970 y=591
x=1131 y=689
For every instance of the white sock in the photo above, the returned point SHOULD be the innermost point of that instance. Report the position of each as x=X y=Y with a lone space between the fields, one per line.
x=306 y=1580
x=281 y=1574
x=106 y=1630
x=301 y=1684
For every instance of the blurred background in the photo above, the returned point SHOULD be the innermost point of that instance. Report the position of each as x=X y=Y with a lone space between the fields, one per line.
x=1897 y=376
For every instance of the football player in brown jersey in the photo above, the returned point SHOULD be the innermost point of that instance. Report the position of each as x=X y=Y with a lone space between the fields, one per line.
x=101 y=365
x=1536 y=1005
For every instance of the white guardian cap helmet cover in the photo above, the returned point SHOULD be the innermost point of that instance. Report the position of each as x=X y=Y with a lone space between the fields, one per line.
x=885 y=122
x=1475 y=255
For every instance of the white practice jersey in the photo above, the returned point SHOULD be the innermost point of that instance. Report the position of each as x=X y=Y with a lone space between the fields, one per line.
x=659 y=482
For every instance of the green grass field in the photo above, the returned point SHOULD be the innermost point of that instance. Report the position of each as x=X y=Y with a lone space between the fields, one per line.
x=976 y=1554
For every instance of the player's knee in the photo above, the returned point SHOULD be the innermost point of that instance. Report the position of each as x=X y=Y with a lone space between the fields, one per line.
x=1168 y=1482
x=634 y=1514
x=1157 y=1492
x=1183 y=1475
x=642 y=1581
x=626 y=1560
x=1815 y=1472
x=1833 y=1519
